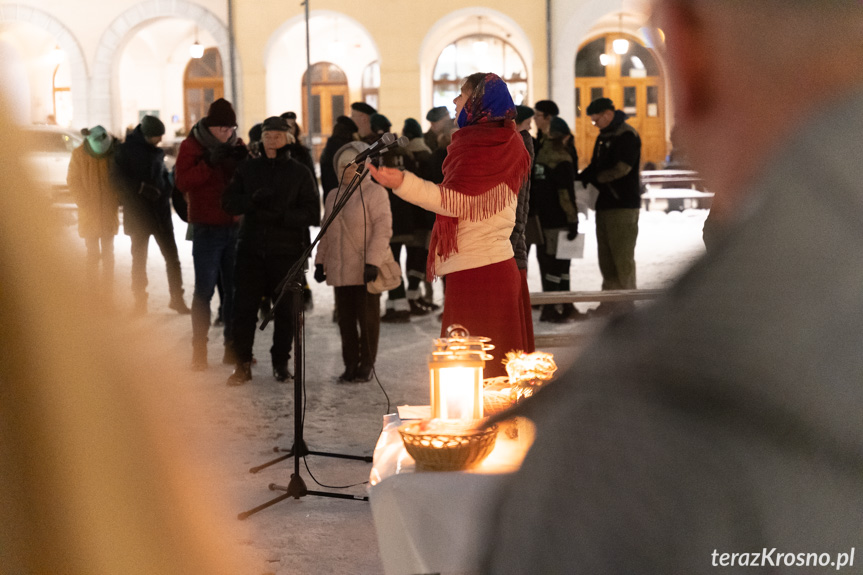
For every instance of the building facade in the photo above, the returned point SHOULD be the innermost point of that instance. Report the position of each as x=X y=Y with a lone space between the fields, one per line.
x=78 y=63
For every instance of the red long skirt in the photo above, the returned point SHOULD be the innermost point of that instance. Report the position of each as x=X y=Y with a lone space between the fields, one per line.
x=488 y=302
x=529 y=343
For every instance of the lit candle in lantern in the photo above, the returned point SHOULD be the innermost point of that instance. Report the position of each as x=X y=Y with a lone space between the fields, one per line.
x=455 y=375
x=457 y=393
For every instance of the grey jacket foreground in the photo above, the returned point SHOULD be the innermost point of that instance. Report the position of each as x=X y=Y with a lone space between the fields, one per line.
x=725 y=417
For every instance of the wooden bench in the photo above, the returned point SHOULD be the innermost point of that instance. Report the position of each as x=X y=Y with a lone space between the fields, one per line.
x=678 y=189
x=551 y=297
x=578 y=335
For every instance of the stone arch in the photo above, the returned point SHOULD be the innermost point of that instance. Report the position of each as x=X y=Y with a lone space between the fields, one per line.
x=568 y=36
x=283 y=84
x=105 y=87
x=461 y=23
x=68 y=43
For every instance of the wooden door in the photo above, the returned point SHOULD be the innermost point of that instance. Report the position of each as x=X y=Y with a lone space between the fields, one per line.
x=634 y=83
x=203 y=84
x=329 y=101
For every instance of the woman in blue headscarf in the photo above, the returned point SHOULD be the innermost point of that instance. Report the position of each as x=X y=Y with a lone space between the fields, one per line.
x=475 y=205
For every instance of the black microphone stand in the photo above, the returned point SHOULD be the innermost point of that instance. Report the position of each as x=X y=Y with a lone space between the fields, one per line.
x=292 y=283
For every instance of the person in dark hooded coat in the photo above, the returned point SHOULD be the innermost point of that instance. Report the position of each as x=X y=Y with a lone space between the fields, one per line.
x=145 y=192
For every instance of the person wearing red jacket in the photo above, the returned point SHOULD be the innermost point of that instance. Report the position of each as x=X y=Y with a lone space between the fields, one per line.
x=205 y=165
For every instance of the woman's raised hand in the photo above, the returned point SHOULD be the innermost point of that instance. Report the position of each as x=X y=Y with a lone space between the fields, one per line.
x=387 y=177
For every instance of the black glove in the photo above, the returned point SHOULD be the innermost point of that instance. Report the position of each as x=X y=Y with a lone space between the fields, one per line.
x=239 y=153
x=573 y=230
x=370 y=273
x=218 y=154
x=320 y=276
x=262 y=196
x=149 y=192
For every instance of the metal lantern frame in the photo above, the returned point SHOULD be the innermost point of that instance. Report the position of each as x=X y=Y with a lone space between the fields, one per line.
x=459 y=350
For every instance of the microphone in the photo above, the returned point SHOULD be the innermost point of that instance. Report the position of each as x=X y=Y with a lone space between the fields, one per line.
x=377 y=150
x=385 y=139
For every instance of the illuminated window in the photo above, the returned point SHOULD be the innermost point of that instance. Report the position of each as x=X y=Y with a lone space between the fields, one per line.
x=372 y=84
x=477 y=53
x=329 y=101
x=638 y=63
x=591 y=60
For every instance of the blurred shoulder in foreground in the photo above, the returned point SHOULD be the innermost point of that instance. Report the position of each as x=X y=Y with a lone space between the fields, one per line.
x=94 y=477
x=725 y=417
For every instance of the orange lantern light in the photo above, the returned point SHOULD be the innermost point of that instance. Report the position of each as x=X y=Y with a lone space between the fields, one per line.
x=455 y=374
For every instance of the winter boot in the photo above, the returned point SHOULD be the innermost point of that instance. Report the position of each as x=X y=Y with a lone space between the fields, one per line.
x=199 y=357
x=242 y=374
x=571 y=313
x=282 y=374
x=364 y=373
x=178 y=305
x=550 y=314
x=348 y=375
x=418 y=307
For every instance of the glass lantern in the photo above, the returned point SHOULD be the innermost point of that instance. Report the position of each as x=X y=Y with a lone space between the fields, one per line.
x=455 y=374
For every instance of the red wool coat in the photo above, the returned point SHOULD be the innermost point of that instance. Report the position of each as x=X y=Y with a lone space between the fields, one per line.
x=203 y=184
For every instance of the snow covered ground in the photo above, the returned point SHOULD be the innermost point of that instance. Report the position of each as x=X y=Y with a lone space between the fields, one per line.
x=241 y=426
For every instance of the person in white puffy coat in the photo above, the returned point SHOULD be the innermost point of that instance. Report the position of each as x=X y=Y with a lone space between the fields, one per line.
x=349 y=255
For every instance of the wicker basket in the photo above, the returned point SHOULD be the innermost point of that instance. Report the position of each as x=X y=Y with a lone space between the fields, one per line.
x=496 y=395
x=441 y=446
x=493 y=402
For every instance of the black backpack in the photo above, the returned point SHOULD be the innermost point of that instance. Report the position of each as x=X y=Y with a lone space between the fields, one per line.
x=178 y=200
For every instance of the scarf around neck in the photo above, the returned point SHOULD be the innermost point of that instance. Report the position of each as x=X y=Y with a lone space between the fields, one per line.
x=207 y=139
x=485 y=166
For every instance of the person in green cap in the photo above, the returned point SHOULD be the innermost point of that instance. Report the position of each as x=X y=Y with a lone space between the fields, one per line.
x=91 y=185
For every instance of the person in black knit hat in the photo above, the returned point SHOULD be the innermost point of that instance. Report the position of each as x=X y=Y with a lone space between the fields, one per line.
x=206 y=163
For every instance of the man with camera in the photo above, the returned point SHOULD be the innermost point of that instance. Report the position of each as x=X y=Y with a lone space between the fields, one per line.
x=278 y=200
x=206 y=162
x=145 y=191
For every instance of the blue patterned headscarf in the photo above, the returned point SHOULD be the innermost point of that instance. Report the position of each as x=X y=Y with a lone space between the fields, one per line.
x=488 y=102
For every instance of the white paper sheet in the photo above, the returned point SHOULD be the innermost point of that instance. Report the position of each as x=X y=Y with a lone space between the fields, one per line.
x=569 y=249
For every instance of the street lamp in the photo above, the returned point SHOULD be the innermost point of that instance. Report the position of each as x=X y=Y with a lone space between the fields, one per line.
x=620 y=45
x=196 y=50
